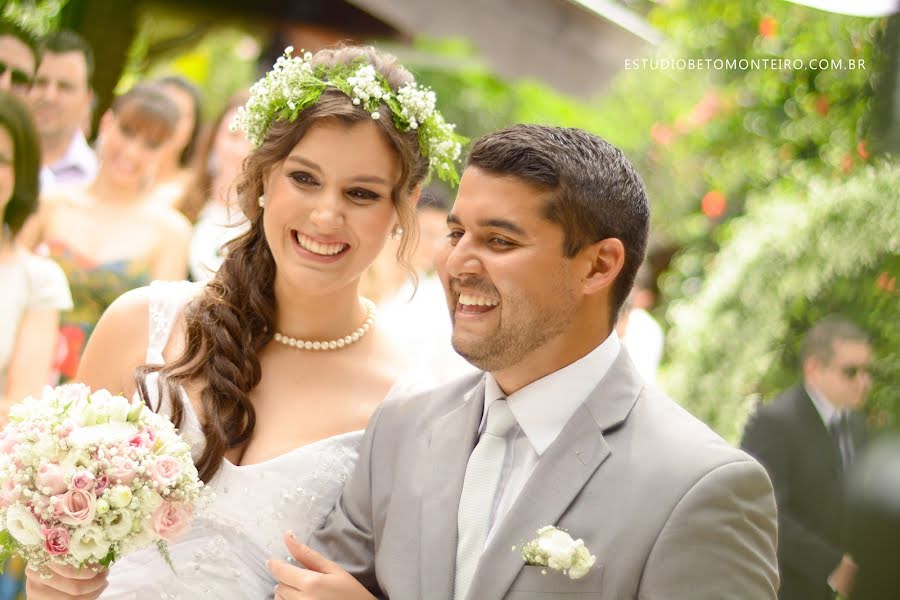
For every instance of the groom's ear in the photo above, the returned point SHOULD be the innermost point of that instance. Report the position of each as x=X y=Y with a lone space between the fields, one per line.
x=604 y=261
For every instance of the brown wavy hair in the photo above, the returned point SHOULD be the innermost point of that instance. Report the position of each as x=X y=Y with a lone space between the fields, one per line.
x=233 y=318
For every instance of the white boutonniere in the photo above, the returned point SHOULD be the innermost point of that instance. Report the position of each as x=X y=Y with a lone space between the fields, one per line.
x=555 y=549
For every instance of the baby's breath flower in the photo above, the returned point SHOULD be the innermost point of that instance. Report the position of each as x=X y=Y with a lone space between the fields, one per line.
x=294 y=84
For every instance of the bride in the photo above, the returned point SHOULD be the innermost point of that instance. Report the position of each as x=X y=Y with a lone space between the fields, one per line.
x=273 y=418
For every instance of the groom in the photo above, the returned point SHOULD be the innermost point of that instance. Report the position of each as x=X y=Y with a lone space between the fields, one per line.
x=548 y=230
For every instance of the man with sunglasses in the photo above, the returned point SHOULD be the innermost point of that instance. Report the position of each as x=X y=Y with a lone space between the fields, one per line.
x=18 y=59
x=807 y=439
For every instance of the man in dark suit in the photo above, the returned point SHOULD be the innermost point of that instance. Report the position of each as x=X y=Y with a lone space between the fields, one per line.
x=806 y=439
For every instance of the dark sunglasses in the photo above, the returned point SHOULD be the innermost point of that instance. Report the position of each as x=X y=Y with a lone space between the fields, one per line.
x=18 y=76
x=852 y=371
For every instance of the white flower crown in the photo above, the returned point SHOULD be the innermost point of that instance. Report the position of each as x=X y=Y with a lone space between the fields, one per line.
x=294 y=84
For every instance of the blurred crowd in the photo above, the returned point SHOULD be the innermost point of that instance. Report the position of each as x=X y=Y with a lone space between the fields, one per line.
x=84 y=223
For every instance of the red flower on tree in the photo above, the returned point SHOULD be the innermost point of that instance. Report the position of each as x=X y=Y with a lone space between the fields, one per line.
x=713 y=204
x=847 y=163
x=768 y=27
x=886 y=283
x=662 y=134
x=861 y=150
x=822 y=105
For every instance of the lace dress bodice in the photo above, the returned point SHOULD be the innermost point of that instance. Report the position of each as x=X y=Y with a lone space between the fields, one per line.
x=224 y=555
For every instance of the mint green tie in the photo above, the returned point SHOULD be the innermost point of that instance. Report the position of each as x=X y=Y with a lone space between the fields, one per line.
x=478 y=493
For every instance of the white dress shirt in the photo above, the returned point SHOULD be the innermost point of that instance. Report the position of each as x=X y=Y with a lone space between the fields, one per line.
x=78 y=166
x=826 y=409
x=645 y=340
x=542 y=409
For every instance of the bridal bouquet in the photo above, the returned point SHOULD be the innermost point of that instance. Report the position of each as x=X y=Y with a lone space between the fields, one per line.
x=87 y=477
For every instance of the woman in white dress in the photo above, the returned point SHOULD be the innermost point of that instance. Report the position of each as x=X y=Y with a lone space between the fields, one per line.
x=34 y=288
x=274 y=423
x=219 y=219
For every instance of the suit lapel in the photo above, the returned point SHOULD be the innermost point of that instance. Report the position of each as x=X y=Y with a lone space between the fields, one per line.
x=820 y=441
x=452 y=438
x=561 y=473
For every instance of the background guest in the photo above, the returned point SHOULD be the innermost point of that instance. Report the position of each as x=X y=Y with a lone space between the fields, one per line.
x=807 y=438
x=34 y=288
x=18 y=59
x=218 y=219
x=106 y=237
x=174 y=174
x=61 y=99
x=640 y=332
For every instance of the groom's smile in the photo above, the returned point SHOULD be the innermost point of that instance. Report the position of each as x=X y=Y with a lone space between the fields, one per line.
x=508 y=286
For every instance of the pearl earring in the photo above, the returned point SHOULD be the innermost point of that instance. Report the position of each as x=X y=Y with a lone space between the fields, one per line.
x=262 y=201
x=397 y=232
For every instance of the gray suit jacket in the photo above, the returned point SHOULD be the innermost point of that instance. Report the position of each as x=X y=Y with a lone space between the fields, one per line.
x=669 y=509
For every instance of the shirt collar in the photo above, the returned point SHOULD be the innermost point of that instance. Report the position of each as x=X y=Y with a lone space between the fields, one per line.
x=825 y=408
x=542 y=408
x=78 y=158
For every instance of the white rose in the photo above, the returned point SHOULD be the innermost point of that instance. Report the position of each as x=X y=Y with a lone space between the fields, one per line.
x=558 y=545
x=148 y=500
x=23 y=525
x=71 y=393
x=119 y=525
x=89 y=415
x=142 y=534
x=76 y=459
x=105 y=434
x=119 y=496
x=89 y=543
x=582 y=562
x=114 y=408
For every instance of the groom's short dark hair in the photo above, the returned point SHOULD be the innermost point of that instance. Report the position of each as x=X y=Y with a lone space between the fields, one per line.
x=597 y=193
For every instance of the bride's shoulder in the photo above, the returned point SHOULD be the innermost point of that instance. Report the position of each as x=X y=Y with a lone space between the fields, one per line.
x=118 y=344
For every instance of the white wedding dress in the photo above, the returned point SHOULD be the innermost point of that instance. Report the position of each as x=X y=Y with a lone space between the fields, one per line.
x=224 y=555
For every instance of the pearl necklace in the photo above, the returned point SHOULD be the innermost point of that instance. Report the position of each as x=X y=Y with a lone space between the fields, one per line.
x=343 y=342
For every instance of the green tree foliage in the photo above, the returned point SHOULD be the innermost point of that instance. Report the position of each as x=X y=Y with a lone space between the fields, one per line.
x=38 y=18
x=794 y=258
x=712 y=137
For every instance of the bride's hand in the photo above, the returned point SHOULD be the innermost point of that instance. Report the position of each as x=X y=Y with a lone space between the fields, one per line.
x=321 y=579
x=66 y=583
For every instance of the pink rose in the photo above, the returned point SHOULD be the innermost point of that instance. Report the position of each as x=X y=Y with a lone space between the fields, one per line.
x=51 y=476
x=56 y=541
x=78 y=507
x=83 y=480
x=144 y=439
x=67 y=428
x=171 y=520
x=122 y=470
x=100 y=484
x=165 y=471
x=7 y=495
x=8 y=440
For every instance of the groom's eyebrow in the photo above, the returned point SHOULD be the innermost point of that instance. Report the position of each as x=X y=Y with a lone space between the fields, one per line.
x=502 y=224
x=494 y=223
